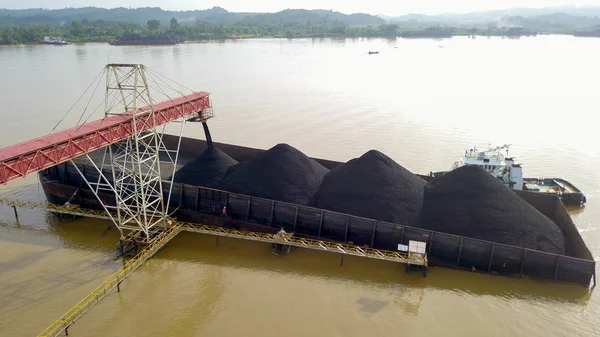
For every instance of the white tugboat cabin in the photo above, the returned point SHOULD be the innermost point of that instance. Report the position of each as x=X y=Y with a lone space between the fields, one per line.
x=504 y=168
x=496 y=163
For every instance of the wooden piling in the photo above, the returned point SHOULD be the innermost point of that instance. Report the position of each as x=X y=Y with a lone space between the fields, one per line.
x=16 y=214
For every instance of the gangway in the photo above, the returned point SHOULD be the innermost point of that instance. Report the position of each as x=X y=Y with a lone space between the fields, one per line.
x=63 y=323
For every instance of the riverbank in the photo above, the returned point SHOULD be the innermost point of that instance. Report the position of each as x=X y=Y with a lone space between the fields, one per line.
x=198 y=33
x=330 y=36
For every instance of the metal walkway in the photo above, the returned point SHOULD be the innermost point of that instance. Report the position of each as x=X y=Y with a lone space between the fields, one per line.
x=63 y=323
x=333 y=247
x=166 y=234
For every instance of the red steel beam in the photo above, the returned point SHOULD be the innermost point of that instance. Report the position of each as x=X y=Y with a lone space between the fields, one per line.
x=19 y=160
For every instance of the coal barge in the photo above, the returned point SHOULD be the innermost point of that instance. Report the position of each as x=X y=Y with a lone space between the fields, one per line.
x=563 y=258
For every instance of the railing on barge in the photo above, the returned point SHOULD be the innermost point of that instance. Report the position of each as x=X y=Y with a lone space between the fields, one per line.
x=300 y=242
x=444 y=249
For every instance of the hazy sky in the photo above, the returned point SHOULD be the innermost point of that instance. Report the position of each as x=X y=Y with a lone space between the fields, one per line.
x=391 y=7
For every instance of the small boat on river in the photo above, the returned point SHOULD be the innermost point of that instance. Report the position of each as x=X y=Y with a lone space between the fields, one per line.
x=504 y=168
x=54 y=41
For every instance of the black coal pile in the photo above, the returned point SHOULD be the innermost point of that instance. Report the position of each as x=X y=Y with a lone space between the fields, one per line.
x=372 y=186
x=281 y=173
x=470 y=202
x=205 y=170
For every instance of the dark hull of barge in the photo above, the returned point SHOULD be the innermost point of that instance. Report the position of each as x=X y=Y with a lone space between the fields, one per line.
x=196 y=204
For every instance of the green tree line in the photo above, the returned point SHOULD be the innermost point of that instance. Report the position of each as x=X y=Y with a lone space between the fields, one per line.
x=101 y=31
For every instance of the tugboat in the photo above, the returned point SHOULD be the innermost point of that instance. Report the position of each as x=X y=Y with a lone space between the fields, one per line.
x=54 y=40
x=505 y=169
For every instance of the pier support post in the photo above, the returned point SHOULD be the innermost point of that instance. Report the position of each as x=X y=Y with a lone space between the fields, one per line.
x=16 y=214
x=342 y=260
x=217 y=241
x=556 y=268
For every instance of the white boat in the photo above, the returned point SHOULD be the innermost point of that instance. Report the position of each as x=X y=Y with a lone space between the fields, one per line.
x=54 y=40
x=496 y=163
x=510 y=173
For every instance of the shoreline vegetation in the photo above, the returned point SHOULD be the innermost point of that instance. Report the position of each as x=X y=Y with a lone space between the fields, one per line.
x=78 y=32
x=154 y=26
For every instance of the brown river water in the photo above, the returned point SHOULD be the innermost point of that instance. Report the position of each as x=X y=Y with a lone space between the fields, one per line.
x=422 y=102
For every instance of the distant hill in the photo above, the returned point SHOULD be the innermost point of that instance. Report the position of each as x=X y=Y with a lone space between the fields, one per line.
x=137 y=15
x=556 y=22
x=314 y=16
x=550 y=19
x=213 y=15
x=494 y=15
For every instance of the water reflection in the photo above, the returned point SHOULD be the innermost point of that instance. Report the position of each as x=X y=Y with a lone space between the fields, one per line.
x=410 y=300
x=177 y=50
x=338 y=40
x=371 y=305
x=32 y=48
x=157 y=53
x=391 y=41
x=318 y=40
x=81 y=52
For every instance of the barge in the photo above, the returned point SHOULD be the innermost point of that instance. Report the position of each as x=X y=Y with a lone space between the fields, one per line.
x=63 y=184
x=119 y=42
x=510 y=173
